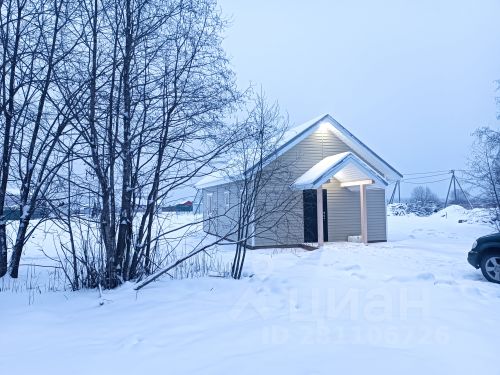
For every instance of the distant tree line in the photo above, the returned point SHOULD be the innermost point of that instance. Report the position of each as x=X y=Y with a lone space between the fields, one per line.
x=424 y=202
x=481 y=178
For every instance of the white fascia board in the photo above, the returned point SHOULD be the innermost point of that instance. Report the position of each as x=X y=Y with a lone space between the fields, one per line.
x=330 y=172
x=370 y=171
x=357 y=145
x=325 y=176
x=356 y=183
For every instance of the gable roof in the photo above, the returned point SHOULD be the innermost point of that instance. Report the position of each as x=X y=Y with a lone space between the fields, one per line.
x=298 y=133
x=344 y=167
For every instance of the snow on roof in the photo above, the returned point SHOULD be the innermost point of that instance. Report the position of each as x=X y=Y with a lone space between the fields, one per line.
x=296 y=130
x=319 y=169
x=295 y=135
x=345 y=167
x=298 y=133
x=213 y=179
x=232 y=171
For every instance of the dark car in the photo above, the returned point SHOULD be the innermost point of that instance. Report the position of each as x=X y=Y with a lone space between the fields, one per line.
x=485 y=254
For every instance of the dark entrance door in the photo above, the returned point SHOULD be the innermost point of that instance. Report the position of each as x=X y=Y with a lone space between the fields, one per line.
x=311 y=217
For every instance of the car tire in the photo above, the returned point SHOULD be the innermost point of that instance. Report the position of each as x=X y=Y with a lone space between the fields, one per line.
x=490 y=266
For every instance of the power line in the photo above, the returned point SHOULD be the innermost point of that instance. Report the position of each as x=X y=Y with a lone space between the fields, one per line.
x=429 y=176
x=449 y=171
x=431 y=172
x=423 y=182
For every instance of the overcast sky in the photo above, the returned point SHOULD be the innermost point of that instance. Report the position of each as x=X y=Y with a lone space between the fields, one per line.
x=412 y=79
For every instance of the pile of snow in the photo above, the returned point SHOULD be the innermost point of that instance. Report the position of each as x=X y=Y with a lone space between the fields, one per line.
x=453 y=212
x=456 y=213
x=463 y=215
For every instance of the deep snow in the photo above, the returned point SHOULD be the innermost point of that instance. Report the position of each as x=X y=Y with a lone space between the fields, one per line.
x=412 y=305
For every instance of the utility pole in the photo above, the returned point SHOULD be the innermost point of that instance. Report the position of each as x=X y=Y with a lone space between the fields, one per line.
x=455 y=182
x=398 y=188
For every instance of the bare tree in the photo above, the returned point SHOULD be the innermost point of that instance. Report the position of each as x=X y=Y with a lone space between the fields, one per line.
x=135 y=94
x=158 y=89
x=263 y=201
x=484 y=167
x=256 y=202
x=37 y=41
x=424 y=194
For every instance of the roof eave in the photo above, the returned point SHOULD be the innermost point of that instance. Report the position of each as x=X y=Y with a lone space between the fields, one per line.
x=362 y=144
x=330 y=172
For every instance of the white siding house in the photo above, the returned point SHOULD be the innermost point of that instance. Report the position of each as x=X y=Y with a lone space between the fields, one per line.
x=331 y=175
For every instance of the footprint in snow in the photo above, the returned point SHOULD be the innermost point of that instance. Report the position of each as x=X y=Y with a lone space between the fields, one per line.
x=354 y=267
x=328 y=264
x=427 y=276
x=129 y=344
x=445 y=282
x=358 y=276
x=473 y=291
x=473 y=276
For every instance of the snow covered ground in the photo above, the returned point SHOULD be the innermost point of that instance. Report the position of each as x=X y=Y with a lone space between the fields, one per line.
x=412 y=305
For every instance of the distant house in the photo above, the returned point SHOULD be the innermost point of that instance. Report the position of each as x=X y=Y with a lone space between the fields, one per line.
x=324 y=159
x=11 y=205
x=186 y=206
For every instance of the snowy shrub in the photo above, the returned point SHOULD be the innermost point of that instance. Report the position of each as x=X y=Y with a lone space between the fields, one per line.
x=415 y=208
x=423 y=208
x=397 y=209
x=423 y=202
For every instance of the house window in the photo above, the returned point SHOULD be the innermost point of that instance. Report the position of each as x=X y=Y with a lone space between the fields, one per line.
x=210 y=199
x=226 y=200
